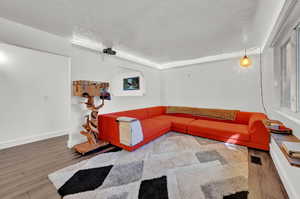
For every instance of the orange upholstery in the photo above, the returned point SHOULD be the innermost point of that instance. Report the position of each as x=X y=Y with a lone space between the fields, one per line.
x=220 y=129
x=151 y=125
x=178 y=123
x=108 y=128
x=243 y=117
x=155 y=111
x=258 y=130
x=164 y=117
x=247 y=129
x=138 y=114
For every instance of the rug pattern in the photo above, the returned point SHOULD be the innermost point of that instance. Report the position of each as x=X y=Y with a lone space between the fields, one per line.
x=174 y=166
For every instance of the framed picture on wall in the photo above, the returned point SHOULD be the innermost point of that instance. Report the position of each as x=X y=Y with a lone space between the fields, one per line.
x=128 y=84
x=131 y=83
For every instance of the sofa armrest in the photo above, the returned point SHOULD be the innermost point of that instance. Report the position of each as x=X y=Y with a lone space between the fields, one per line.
x=108 y=128
x=255 y=120
x=258 y=132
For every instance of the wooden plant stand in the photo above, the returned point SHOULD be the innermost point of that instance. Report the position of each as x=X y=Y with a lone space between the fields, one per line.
x=89 y=90
x=87 y=147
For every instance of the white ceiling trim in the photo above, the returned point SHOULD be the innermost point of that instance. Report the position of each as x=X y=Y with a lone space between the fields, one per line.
x=213 y=58
x=86 y=43
x=139 y=60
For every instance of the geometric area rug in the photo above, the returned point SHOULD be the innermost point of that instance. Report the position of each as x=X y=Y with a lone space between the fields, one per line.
x=173 y=166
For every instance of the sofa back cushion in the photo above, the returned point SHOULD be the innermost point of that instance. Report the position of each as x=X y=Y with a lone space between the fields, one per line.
x=243 y=117
x=182 y=115
x=156 y=111
x=221 y=114
x=140 y=114
x=144 y=113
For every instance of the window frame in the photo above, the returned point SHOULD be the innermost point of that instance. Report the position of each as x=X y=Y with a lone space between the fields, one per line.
x=294 y=104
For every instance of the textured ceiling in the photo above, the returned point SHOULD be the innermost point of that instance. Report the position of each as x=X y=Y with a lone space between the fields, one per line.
x=161 y=31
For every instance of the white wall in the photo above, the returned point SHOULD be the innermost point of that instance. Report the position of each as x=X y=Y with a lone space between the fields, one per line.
x=45 y=116
x=90 y=65
x=48 y=118
x=35 y=95
x=221 y=84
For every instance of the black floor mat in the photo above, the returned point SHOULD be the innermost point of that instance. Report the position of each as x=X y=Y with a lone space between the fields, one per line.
x=85 y=180
x=154 y=188
x=238 y=195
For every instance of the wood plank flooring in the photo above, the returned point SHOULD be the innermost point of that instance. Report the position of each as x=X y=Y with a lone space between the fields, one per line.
x=24 y=170
x=264 y=181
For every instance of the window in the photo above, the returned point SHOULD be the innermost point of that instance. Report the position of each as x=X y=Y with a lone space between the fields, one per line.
x=290 y=72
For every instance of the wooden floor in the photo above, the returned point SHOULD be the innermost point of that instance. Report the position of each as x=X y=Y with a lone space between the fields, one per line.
x=24 y=170
x=264 y=181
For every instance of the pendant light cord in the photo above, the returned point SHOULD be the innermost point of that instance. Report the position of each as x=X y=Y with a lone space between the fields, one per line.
x=261 y=83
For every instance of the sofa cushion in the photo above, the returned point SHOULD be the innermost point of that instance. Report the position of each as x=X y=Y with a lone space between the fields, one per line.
x=221 y=129
x=181 y=115
x=204 y=112
x=140 y=114
x=151 y=126
x=178 y=123
x=155 y=111
x=243 y=117
x=164 y=117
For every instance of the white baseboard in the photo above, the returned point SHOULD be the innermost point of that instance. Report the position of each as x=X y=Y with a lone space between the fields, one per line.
x=285 y=171
x=30 y=139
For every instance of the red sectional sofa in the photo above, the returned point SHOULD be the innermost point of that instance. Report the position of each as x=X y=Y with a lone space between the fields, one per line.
x=247 y=129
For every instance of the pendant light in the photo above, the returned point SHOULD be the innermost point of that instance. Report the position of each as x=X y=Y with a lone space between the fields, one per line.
x=245 y=61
